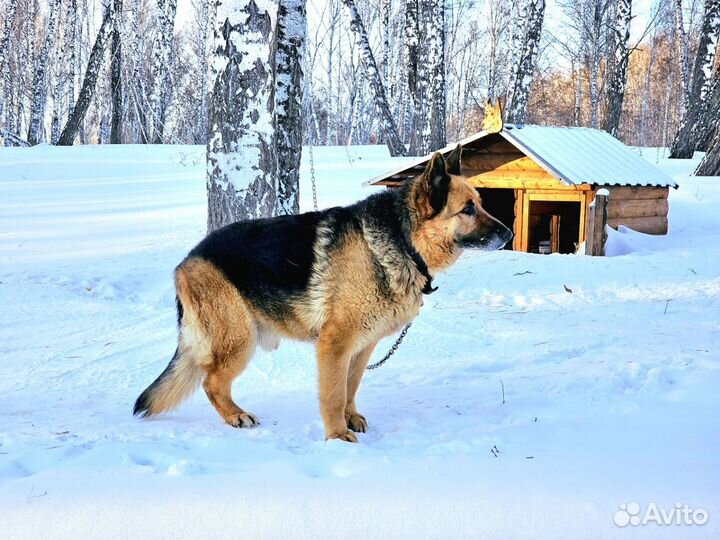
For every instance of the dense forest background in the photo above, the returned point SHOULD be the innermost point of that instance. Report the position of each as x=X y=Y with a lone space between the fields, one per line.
x=149 y=63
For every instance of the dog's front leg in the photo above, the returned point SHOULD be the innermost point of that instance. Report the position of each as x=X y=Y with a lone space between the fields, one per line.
x=356 y=421
x=334 y=351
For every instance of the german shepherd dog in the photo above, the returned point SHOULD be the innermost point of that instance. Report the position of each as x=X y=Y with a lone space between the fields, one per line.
x=342 y=278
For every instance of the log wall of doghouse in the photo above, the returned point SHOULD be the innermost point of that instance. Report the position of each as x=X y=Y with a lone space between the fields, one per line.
x=642 y=208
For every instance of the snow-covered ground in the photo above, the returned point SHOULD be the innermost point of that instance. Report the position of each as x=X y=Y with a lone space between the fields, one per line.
x=533 y=396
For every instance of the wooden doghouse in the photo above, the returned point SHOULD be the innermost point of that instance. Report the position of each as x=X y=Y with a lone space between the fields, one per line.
x=541 y=180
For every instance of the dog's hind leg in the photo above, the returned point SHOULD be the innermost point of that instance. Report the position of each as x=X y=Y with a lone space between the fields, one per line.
x=218 y=382
x=230 y=328
x=234 y=336
x=356 y=421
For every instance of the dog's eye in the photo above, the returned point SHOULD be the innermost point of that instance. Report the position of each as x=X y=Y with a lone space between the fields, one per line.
x=469 y=209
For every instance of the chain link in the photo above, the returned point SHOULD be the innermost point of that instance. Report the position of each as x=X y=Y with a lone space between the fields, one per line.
x=398 y=341
x=312 y=177
x=392 y=350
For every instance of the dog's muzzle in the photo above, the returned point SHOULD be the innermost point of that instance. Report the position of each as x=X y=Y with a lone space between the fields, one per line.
x=490 y=239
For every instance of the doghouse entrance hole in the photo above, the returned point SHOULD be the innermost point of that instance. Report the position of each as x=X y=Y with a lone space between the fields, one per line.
x=554 y=226
x=500 y=204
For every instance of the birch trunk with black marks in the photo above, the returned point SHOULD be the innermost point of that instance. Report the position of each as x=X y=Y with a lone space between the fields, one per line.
x=708 y=117
x=58 y=83
x=690 y=132
x=525 y=68
x=204 y=17
x=681 y=48
x=330 y=116
x=39 y=92
x=385 y=9
x=387 y=123
x=577 y=109
x=710 y=165
x=291 y=29
x=415 y=73
x=518 y=21
x=241 y=159
x=619 y=64
x=5 y=85
x=67 y=137
x=139 y=100
x=70 y=39
x=116 y=86
x=434 y=128
x=162 y=61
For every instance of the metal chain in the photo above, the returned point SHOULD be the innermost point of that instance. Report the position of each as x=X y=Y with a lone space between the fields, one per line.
x=392 y=350
x=312 y=177
x=398 y=341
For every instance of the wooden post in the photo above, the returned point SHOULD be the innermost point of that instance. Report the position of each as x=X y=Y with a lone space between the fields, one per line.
x=596 y=222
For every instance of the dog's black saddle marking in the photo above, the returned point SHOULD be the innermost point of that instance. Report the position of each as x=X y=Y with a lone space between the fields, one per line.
x=268 y=260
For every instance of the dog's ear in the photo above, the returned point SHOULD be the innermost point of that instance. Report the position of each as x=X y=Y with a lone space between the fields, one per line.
x=437 y=182
x=452 y=162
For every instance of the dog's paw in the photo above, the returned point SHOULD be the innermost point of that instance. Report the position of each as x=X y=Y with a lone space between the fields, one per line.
x=347 y=436
x=242 y=420
x=356 y=422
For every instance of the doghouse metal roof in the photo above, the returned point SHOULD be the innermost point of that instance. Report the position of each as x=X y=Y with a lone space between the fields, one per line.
x=575 y=155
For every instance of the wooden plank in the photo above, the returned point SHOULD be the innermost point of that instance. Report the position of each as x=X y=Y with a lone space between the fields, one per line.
x=491 y=162
x=597 y=219
x=505 y=183
x=647 y=225
x=524 y=241
x=555 y=234
x=584 y=203
x=500 y=147
x=509 y=175
x=554 y=196
x=637 y=192
x=637 y=208
x=559 y=188
x=519 y=219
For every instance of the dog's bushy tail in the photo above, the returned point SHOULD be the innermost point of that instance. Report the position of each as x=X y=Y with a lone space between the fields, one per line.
x=181 y=377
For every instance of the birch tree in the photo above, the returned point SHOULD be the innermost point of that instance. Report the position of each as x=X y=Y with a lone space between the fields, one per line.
x=9 y=19
x=162 y=59
x=525 y=67
x=690 y=132
x=387 y=123
x=434 y=128
x=425 y=46
x=70 y=131
x=710 y=165
x=204 y=15
x=241 y=159
x=116 y=84
x=619 y=63
x=291 y=29
x=39 y=95
x=681 y=46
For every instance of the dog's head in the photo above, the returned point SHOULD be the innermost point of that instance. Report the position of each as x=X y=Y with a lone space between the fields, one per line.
x=448 y=214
